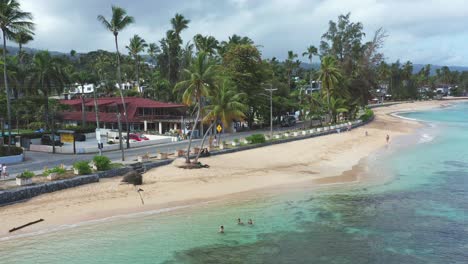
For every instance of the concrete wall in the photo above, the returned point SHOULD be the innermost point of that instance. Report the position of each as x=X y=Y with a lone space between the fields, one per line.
x=28 y=192
x=12 y=159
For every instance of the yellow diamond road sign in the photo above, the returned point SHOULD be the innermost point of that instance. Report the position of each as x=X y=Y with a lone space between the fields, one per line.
x=219 y=128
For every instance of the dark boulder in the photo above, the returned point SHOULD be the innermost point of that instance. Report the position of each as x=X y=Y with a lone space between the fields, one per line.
x=133 y=177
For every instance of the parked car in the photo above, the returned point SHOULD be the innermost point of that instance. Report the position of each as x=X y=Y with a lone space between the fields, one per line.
x=134 y=137
x=80 y=137
x=144 y=137
x=288 y=121
x=47 y=140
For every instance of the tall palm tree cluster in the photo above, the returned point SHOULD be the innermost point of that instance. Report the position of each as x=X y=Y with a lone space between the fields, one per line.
x=221 y=81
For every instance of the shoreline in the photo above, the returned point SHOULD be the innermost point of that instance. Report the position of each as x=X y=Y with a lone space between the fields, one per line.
x=336 y=159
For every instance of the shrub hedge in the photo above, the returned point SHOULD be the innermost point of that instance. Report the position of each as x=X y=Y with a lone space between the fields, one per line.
x=102 y=163
x=368 y=114
x=14 y=151
x=82 y=167
x=256 y=138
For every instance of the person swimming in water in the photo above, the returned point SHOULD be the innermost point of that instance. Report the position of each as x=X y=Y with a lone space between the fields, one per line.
x=250 y=222
x=221 y=229
x=239 y=222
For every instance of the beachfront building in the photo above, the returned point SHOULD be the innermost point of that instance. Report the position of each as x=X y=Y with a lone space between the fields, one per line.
x=143 y=114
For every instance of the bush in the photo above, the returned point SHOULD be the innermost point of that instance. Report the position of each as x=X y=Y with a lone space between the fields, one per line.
x=36 y=125
x=26 y=175
x=59 y=170
x=102 y=163
x=368 y=114
x=256 y=138
x=14 y=151
x=82 y=167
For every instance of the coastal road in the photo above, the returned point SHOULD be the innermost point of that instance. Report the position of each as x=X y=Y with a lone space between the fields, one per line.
x=36 y=161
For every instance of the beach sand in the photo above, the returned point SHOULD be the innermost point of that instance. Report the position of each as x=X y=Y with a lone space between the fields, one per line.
x=332 y=159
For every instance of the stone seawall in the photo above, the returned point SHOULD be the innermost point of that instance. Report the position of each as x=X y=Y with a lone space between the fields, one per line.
x=28 y=192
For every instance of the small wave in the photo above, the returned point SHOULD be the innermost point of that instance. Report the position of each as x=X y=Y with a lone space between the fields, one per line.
x=398 y=114
x=425 y=138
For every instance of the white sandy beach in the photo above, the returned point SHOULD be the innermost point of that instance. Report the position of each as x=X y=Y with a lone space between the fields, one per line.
x=313 y=162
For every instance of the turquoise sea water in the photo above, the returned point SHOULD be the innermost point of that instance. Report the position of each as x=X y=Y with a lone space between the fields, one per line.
x=420 y=216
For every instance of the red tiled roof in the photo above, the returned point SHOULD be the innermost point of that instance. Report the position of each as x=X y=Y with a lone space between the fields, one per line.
x=133 y=103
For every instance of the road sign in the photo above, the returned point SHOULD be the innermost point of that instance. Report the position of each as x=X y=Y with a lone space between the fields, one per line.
x=219 y=128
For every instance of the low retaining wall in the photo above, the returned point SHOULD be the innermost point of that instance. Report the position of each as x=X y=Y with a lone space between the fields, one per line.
x=28 y=192
x=12 y=159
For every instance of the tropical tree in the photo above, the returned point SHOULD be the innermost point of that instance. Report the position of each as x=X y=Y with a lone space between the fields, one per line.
x=315 y=107
x=207 y=44
x=226 y=105
x=82 y=78
x=329 y=75
x=310 y=53
x=153 y=51
x=47 y=76
x=118 y=22
x=22 y=38
x=337 y=106
x=12 y=21
x=136 y=46
x=199 y=80
x=290 y=65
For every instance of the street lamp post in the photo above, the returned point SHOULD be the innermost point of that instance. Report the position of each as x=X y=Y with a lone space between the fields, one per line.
x=271 y=109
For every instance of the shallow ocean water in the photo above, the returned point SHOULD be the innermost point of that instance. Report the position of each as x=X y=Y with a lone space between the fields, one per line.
x=419 y=216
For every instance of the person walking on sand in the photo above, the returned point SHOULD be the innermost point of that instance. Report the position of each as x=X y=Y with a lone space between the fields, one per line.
x=388 y=138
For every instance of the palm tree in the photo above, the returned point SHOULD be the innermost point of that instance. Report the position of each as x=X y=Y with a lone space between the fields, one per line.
x=153 y=51
x=207 y=44
x=329 y=75
x=136 y=46
x=117 y=23
x=21 y=39
x=12 y=21
x=315 y=107
x=82 y=78
x=226 y=105
x=47 y=76
x=310 y=53
x=337 y=106
x=199 y=80
x=290 y=65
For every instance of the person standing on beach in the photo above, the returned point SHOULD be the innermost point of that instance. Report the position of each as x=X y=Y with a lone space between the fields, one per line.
x=388 y=138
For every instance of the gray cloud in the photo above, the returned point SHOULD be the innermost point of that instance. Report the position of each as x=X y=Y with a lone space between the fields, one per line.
x=423 y=31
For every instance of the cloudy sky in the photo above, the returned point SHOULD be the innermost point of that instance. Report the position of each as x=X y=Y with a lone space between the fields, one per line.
x=423 y=31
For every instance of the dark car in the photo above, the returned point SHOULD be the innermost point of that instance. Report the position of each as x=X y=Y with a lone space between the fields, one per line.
x=80 y=137
x=288 y=121
x=47 y=140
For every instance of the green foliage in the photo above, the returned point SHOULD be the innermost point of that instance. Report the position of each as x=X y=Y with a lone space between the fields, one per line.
x=82 y=167
x=368 y=114
x=14 y=151
x=36 y=125
x=59 y=170
x=102 y=163
x=256 y=138
x=26 y=175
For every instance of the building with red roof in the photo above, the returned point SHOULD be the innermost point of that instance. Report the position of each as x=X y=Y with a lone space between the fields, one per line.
x=143 y=114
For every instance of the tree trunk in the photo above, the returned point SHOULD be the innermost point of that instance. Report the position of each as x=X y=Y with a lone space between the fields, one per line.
x=119 y=76
x=191 y=135
x=96 y=110
x=7 y=91
x=83 y=109
x=203 y=142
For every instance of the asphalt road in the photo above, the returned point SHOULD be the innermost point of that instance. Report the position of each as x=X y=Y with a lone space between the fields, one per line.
x=36 y=161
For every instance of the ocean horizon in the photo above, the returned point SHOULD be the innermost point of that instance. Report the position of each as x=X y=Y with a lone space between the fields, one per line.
x=416 y=215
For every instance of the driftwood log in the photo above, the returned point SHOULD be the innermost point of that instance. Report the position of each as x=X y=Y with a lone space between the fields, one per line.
x=23 y=226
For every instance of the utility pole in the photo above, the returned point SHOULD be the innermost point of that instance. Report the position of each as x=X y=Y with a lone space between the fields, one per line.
x=271 y=109
x=120 y=137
